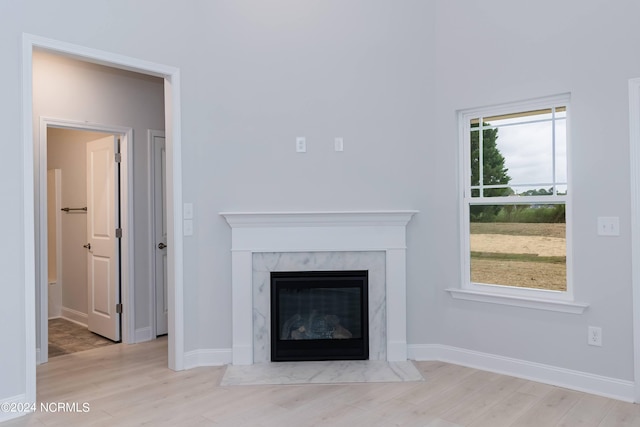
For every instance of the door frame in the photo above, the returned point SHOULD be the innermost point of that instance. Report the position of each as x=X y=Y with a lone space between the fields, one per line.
x=171 y=76
x=126 y=223
x=634 y=140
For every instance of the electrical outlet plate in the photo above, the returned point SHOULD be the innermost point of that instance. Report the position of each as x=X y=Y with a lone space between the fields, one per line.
x=301 y=144
x=187 y=227
x=595 y=336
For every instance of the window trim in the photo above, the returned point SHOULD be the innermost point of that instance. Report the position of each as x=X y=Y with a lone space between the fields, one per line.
x=571 y=307
x=509 y=295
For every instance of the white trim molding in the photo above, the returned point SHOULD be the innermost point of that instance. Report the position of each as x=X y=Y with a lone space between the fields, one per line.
x=28 y=212
x=142 y=335
x=575 y=380
x=19 y=402
x=634 y=141
x=318 y=219
x=318 y=232
x=207 y=357
x=519 y=301
x=75 y=316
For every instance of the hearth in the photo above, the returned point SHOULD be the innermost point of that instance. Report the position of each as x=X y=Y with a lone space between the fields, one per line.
x=319 y=315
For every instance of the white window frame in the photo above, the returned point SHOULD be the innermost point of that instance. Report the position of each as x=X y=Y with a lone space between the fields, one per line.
x=511 y=295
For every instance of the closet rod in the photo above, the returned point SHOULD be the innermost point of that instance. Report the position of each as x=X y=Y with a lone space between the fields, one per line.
x=74 y=209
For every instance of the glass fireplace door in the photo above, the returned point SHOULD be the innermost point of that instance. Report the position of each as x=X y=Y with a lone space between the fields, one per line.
x=319 y=315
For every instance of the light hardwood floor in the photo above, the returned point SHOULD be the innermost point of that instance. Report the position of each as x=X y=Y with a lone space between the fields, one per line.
x=129 y=385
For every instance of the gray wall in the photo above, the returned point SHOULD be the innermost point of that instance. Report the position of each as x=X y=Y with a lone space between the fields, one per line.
x=388 y=76
x=491 y=52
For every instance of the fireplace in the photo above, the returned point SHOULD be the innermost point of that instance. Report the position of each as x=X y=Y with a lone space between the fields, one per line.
x=319 y=315
x=262 y=242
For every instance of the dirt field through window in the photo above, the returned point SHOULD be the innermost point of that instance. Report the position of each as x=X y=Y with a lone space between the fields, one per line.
x=517 y=254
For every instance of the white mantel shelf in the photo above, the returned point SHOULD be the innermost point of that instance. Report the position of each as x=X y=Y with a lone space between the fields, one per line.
x=318 y=219
x=334 y=231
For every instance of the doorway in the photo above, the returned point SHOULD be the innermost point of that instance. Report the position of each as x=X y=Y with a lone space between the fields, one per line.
x=92 y=273
x=83 y=248
x=33 y=240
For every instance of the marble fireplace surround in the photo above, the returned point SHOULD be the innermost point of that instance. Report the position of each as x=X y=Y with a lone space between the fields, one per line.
x=266 y=262
x=283 y=238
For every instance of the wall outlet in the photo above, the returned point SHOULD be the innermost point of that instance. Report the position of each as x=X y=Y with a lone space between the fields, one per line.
x=187 y=227
x=301 y=144
x=595 y=336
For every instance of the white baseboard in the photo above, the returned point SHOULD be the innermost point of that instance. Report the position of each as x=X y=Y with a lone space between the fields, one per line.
x=75 y=316
x=19 y=401
x=576 y=380
x=207 y=357
x=142 y=335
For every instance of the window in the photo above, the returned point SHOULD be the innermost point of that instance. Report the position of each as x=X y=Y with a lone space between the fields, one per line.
x=515 y=198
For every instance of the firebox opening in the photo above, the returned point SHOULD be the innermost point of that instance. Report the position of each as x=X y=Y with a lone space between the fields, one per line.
x=319 y=315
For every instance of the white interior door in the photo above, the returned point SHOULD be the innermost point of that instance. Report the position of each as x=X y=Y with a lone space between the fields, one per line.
x=160 y=234
x=102 y=247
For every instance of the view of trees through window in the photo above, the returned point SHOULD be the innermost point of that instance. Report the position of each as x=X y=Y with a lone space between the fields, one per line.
x=516 y=199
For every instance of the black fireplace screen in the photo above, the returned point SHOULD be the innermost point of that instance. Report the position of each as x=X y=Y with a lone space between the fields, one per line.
x=319 y=315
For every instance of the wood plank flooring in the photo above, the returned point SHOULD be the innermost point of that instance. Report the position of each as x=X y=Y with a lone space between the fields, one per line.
x=130 y=385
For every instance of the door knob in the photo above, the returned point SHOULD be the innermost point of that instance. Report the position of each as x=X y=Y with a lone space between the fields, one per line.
x=161 y=245
x=88 y=246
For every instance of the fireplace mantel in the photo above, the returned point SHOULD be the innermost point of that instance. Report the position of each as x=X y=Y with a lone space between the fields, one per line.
x=318 y=232
x=317 y=219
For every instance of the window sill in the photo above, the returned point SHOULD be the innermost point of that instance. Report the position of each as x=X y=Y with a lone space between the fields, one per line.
x=516 y=301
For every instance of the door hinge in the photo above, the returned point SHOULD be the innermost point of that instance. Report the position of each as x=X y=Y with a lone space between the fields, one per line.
x=118 y=157
x=119 y=308
x=118 y=233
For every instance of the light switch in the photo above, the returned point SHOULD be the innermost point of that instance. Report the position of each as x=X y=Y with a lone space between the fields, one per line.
x=608 y=226
x=339 y=144
x=187 y=211
x=187 y=227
